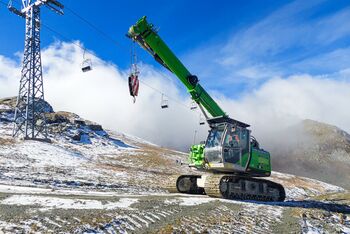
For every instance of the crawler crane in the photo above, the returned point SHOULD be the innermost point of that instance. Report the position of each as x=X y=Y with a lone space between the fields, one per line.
x=232 y=158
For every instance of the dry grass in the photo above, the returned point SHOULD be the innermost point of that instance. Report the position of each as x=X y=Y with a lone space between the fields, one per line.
x=7 y=141
x=167 y=229
x=301 y=182
x=11 y=101
x=61 y=116
x=344 y=197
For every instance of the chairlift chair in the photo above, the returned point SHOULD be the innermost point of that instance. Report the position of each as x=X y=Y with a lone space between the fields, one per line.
x=164 y=102
x=201 y=120
x=193 y=105
x=86 y=65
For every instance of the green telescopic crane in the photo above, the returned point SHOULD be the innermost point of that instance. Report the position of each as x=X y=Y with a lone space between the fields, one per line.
x=230 y=156
x=144 y=33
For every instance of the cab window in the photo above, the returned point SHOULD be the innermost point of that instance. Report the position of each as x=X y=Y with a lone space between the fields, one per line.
x=214 y=138
x=232 y=138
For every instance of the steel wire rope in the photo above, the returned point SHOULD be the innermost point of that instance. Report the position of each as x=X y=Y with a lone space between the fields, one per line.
x=106 y=36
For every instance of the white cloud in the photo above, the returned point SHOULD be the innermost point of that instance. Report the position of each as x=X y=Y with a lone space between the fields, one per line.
x=280 y=103
x=9 y=75
x=102 y=96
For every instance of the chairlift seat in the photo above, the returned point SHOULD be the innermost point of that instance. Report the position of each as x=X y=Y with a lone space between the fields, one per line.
x=202 y=120
x=86 y=66
x=193 y=105
x=164 y=102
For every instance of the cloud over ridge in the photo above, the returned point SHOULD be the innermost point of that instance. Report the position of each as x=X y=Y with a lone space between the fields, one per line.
x=102 y=96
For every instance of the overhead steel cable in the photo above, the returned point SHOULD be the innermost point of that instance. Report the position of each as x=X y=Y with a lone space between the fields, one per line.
x=143 y=82
x=106 y=36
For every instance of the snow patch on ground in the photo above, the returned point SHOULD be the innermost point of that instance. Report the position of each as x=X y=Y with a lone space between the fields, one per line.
x=45 y=154
x=346 y=229
x=5 y=107
x=6 y=226
x=64 y=203
x=307 y=187
x=327 y=187
x=295 y=193
x=198 y=200
x=139 y=140
x=193 y=201
x=21 y=189
x=308 y=228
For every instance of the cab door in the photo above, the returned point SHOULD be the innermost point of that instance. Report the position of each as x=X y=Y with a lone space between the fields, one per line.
x=213 y=146
x=245 y=147
x=232 y=150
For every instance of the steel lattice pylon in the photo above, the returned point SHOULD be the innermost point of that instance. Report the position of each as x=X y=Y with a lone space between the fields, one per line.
x=30 y=110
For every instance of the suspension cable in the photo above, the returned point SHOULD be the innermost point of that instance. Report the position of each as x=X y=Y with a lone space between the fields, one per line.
x=107 y=37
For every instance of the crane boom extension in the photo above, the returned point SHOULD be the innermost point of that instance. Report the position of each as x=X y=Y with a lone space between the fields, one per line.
x=145 y=34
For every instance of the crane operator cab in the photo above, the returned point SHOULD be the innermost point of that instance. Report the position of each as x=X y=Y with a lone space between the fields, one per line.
x=230 y=149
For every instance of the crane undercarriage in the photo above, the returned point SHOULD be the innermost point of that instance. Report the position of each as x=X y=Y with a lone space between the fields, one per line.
x=227 y=186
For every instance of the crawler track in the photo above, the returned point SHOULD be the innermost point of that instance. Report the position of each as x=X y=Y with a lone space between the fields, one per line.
x=228 y=186
x=243 y=188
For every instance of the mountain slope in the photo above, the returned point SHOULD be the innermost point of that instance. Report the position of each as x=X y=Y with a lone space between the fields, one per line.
x=96 y=181
x=315 y=150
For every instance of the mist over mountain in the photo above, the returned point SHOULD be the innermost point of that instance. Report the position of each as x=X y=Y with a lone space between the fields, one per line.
x=312 y=149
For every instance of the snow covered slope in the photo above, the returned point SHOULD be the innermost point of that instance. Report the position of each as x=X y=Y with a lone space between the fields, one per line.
x=96 y=181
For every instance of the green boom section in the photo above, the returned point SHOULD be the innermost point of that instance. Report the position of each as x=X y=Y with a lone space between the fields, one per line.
x=145 y=34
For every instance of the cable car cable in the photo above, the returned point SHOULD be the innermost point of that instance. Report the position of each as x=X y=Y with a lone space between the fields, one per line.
x=106 y=36
x=141 y=81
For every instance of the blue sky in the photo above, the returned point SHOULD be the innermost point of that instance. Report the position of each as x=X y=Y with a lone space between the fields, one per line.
x=184 y=25
x=240 y=43
x=267 y=63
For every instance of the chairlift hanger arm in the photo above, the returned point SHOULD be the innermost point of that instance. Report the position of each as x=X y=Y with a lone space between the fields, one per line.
x=148 y=38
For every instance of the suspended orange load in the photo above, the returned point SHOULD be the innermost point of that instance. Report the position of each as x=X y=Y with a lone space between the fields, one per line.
x=133 y=85
x=133 y=79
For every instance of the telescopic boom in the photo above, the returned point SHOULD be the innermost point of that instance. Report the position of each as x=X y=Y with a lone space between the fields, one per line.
x=145 y=34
